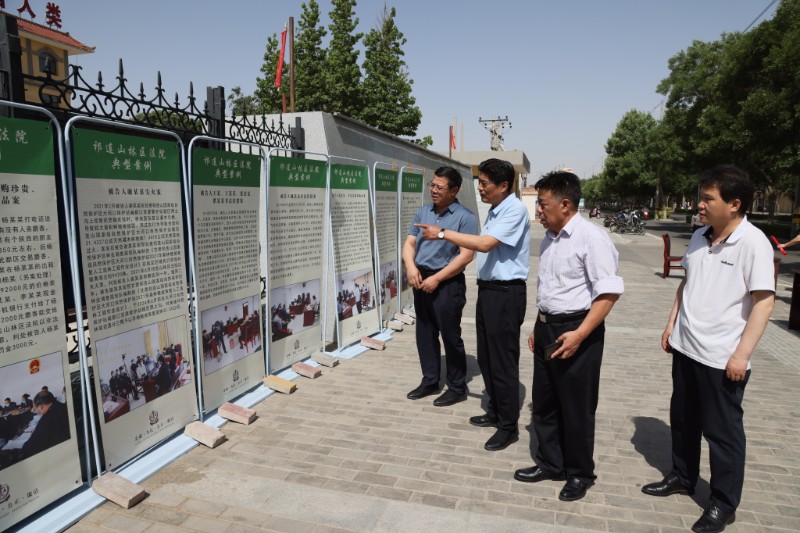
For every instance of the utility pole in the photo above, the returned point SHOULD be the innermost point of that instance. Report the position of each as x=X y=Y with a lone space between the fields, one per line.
x=495 y=127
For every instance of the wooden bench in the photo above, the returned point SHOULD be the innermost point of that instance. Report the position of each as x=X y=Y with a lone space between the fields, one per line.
x=670 y=261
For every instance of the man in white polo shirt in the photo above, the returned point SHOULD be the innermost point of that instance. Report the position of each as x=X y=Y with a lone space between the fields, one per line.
x=721 y=310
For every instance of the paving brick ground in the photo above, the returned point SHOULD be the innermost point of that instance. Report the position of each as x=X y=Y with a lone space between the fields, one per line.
x=348 y=451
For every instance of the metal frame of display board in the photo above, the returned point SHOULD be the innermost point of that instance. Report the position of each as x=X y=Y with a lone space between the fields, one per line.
x=387 y=166
x=150 y=467
x=355 y=349
x=400 y=230
x=323 y=293
x=60 y=162
x=193 y=268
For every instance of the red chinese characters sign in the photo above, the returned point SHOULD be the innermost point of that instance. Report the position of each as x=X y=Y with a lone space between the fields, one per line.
x=52 y=12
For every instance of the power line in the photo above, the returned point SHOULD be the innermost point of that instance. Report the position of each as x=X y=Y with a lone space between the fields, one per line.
x=760 y=15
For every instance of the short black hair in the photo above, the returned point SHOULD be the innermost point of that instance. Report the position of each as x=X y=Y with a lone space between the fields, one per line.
x=733 y=184
x=453 y=176
x=561 y=184
x=44 y=398
x=498 y=171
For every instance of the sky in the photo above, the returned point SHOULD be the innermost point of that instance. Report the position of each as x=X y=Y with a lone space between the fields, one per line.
x=563 y=72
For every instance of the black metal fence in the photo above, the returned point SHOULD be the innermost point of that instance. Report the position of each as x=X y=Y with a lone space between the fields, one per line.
x=75 y=95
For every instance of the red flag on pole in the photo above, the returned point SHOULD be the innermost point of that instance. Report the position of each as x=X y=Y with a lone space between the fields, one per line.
x=452 y=139
x=279 y=70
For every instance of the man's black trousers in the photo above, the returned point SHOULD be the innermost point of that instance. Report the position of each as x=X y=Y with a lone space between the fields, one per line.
x=499 y=317
x=564 y=399
x=440 y=312
x=706 y=403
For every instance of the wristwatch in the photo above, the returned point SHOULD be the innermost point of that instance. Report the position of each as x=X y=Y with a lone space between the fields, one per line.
x=441 y=234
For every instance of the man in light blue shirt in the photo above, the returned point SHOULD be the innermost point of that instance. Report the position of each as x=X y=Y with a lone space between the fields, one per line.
x=503 y=259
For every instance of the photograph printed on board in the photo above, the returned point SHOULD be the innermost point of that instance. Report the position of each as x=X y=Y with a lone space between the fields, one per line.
x=294 y=308
x=230 y=332
x=34 y=411
x=354 y=293
x=388 y=281
x=142 y=364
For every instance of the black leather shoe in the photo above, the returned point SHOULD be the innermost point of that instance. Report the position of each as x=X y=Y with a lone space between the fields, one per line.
x=574 y=489
x=669 y=485
x=713 y=520
x=501 y=440
x=422 y=391
x=534 y=474
x=449 y=398
x=483 y=421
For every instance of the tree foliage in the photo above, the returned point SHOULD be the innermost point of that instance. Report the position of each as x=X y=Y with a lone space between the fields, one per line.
x=628 y=169
x=424 y=142
x=170 y=120
x=735 y=100
x=309 y=57
x=330 y=79
x=342 y=73
x=386 y=90
x=241 y=104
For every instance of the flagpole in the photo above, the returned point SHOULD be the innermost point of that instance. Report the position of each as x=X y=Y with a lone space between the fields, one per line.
x=450 y=143
x=291 y=64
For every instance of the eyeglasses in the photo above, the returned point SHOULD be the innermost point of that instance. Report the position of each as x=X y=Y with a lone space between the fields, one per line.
x=438 y=188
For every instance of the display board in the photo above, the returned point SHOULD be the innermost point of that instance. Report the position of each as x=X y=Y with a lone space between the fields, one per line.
x=225 y=197
x=356 y=299
x=386 y=225
x=38 y=442
x=131 y=224
x=297 y=189
x=410 y=202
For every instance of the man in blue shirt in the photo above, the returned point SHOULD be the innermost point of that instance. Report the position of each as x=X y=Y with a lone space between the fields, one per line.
x=503 y=258
x=436 y=272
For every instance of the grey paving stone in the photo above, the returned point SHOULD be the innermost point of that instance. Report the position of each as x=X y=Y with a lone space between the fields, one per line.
x=338 y=456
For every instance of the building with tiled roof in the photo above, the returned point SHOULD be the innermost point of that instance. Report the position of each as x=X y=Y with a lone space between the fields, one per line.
x=45 y=50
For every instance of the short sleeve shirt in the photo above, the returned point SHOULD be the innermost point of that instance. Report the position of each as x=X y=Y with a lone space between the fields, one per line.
x=575 y=267
x=716 y=300
x=435 y=255
x=509 y=223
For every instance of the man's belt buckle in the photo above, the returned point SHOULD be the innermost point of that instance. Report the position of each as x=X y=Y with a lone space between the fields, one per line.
x=542 y=318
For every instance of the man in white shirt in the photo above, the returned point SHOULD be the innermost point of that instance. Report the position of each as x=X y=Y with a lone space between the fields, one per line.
x=721 y=310
x=577 y=286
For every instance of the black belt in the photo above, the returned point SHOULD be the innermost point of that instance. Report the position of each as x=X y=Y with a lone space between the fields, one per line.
x=428 y=272
x=500 y=284
x=544 y=318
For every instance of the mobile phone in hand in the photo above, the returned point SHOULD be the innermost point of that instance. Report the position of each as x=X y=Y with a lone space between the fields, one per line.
x=550 y=349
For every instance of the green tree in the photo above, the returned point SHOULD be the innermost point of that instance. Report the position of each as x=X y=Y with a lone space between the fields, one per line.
x=269 y=98
x=177 y=121
x=386 y=90
x=628 y=171
x=309 y=57
x=241 y=104
x=592 y=190
x=424 y=142
x=737 y=100
x=342 y=74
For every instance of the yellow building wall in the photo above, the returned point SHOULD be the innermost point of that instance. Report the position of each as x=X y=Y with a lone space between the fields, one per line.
x=31 y=52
